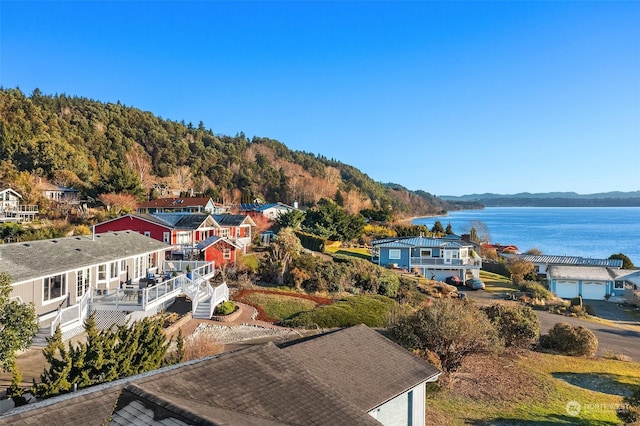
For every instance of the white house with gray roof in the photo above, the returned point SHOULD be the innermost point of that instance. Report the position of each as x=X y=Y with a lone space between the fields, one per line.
x=435 y=258
x=544 y=261
x=116 y=274
x=589 y=282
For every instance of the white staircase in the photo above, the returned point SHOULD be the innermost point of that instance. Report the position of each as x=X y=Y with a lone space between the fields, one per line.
x=203 y=308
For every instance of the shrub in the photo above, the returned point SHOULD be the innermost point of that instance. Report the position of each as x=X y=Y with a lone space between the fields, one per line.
x=517 y=325
x=451 y=328
x=225 y=308
x=201 y=345
x=629 y=411
x=569 y=340
x=535 y=290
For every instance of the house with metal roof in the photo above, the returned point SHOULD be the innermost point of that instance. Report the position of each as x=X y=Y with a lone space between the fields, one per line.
x=435 y=258
x=119 y=275
x=544 y=261
x=185 y=231
x=590 y=282
x=369 y=380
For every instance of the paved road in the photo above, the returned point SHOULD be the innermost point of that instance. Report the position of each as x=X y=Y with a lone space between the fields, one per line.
x=620 y=334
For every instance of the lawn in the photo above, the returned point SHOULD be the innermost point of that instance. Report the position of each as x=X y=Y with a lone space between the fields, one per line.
x=497 y=283
x=275 y=306
x=532 y=388
x=361 y=253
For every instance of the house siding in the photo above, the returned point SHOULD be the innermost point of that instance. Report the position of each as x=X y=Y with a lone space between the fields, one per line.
x=125 y=223
x=31 y=291
x=403 y=262
x=406 y=409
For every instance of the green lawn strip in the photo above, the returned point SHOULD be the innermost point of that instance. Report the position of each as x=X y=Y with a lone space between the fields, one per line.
x=372 y=310
x=563 y=380
x=361 y=253
x=278 y=306
x=497 y=283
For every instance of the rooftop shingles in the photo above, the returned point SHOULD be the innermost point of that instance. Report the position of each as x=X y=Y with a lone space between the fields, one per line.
x=595 y=273
x=262 y=383
x=62 y=254
x=366 y=374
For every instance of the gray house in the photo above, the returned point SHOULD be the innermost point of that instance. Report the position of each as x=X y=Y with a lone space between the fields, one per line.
x=347 y=377
x=117 y=274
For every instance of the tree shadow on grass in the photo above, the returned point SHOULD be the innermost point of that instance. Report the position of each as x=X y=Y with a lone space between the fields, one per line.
x=551 y=420
x=611 y=384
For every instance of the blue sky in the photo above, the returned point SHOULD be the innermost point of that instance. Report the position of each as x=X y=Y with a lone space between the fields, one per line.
x=449 y=97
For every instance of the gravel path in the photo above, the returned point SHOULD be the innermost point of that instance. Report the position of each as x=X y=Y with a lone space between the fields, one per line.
x=225 y=334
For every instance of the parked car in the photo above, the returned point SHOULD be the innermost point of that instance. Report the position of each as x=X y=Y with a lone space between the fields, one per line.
x=475 y=284
x=453 y=280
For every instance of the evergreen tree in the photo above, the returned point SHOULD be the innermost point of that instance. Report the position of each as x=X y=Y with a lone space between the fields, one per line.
x=449 y=229
x=180 y=351
x=18 y=324
x=437 y=229
x=55 y=379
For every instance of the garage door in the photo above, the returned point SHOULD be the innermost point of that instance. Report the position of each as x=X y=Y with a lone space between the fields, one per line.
x=593 y=290
x=567 y=289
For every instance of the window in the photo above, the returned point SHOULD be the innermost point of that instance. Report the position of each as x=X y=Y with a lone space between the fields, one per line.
x=102 y=272
x=224 y=232
x=618 y=285
x=54 y=287
x=166 y=237
x=152 y=260
x=425 y=253
x=82 y=281
x=147 y=234
x=226 y=254
x=113 y=270
x=183 y=237
x=394 y=254
x=123 y=265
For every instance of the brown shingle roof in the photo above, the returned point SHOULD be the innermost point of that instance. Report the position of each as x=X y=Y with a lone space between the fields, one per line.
x=260 y=384
x=90 y=407
x=371 y=369
x=333 y=379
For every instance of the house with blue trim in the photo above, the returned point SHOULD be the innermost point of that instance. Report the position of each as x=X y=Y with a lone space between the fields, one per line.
x=590 y=282
x=435 y=258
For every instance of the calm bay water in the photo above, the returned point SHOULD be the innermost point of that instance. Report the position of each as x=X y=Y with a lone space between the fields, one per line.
x=596 y=232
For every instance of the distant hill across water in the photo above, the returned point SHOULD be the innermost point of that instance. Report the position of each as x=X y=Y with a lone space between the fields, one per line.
x=551 y=199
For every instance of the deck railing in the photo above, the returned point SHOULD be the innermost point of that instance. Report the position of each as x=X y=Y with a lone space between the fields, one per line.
x=72 y=316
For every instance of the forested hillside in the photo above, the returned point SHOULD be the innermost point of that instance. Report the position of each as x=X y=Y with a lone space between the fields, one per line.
x=104 y=147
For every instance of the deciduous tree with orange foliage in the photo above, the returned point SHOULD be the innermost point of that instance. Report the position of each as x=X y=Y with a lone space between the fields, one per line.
x=118 y=204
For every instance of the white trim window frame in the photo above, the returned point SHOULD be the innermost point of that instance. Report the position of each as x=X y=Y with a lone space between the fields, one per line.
x=618 y=285
x=54 y=288
x=166 y=237
x=83 y=281
x=395 y=254
x=226 y=253
x=113 y=270
x=102 y=273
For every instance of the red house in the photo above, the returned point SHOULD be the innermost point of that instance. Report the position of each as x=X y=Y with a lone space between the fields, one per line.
x=185 y=231
x=219 y=250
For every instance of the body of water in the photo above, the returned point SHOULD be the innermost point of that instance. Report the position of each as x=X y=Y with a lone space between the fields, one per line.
x=596 y=232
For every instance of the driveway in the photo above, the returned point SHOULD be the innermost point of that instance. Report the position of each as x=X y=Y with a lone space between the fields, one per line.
x=618 y=334
x=614 y=312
